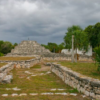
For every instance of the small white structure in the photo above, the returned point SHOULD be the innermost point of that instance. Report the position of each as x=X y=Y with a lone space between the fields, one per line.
x=88 y=53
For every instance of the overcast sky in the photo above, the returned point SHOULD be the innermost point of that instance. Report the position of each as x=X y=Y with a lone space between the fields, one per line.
x=44 y=20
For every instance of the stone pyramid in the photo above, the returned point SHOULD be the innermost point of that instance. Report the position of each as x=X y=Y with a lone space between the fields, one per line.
x=28 y=48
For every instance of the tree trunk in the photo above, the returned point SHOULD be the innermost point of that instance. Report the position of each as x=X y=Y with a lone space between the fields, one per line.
x=76 y=55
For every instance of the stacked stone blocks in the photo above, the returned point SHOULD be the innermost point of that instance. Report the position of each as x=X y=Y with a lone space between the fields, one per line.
x=28 y=48
x=86 y=85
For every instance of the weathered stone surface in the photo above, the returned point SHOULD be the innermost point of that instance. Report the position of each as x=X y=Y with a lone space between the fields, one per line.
x=86 y=85
x=2 y=75
x=59 y=56
x=48 y=64
x=7 y=79
x=92 y=94
x=28 y=48
x=98 y=97
x=6 y=68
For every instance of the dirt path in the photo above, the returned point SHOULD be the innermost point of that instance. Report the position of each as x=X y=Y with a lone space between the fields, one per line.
x=38 y=83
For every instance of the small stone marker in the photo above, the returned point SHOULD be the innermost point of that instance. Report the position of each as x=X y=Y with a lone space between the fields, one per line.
x=22 y=94
x=33 y=94
x=48 y=72
x=61 y=89
x=73 y=94
x=47 y=93
x=27 y=72
x=14 y=94
x=61 y=93
x=53 y=89
x=16 y=89
x=4 y=95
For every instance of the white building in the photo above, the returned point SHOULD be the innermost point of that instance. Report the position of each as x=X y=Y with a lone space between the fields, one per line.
x=88 y=53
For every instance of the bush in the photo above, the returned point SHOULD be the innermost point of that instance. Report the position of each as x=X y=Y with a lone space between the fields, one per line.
x=1 y=54
x=97 y=56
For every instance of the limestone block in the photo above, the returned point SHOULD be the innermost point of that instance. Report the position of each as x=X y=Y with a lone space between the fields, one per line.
x=18 y=66
x=82 y=90
x=98 y=97
x=7 y=79
x=97 y=91
x=87 y=93
x=92 y=94
x=78 y=87
x=2 y=75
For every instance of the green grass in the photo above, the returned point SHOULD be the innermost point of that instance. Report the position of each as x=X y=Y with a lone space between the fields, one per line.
x=37 y=84
x=88 y=69
x=37 y=66
x=16 y=58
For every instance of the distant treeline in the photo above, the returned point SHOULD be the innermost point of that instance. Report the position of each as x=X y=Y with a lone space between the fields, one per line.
x=53 y=47
x=6 y=46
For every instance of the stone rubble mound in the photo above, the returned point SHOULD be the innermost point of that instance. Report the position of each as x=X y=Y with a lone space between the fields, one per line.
x=26 y=48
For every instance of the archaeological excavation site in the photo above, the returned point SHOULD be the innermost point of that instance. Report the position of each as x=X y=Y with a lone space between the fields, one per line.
x=32 y=72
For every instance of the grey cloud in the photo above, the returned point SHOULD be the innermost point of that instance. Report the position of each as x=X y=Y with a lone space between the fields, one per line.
x=44 y=20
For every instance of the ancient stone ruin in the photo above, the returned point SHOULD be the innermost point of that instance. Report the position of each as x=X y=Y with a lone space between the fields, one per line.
x=28 y=48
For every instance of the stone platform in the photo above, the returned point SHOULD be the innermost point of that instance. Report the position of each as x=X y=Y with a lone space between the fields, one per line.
x=28 y=48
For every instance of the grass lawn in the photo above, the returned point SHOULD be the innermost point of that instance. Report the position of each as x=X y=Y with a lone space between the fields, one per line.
x=37 y=84
x=2 y=64
x=16 y=58
x=87 y=69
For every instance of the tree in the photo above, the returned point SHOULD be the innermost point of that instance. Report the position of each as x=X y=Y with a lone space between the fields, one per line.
x=93 y=32
x=80 y=38
x=15 y=44
x=6 y=47
x=1 y=42
x=60 y=47
x=53 y=47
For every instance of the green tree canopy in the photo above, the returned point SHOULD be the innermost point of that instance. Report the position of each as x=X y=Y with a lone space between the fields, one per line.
x=6 y=47
x=93 y=32
x=80 y=38
x=53 y=47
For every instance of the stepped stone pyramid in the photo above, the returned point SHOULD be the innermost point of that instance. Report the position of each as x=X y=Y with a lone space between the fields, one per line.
x=28 y=48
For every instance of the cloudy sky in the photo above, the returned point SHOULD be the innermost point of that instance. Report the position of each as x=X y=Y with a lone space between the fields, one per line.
x=44 y=20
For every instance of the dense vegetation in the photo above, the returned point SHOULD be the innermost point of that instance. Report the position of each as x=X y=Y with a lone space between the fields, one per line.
x=5 y=47
x=53 y=47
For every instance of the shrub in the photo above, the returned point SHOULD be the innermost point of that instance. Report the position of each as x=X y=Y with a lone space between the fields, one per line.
x=1 y=54
x=97 y=56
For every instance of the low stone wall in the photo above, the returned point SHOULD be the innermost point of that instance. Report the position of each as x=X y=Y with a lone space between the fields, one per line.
x=59 y=56
x=86 y=85
x=4 y=77
x=23 y=63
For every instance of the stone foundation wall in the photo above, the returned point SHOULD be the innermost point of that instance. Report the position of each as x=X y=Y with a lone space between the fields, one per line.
x=4 y=71
x=86 y=85
x=54 y=56
x=5 y=78
x=23 y=63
